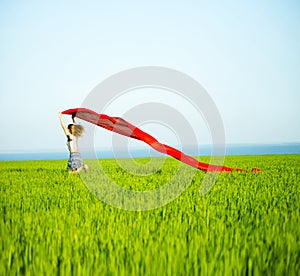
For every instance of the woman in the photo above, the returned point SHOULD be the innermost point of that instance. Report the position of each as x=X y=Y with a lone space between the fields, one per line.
x=73 y=132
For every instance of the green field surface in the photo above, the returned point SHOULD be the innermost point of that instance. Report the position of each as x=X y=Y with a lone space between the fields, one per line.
x=247 y=224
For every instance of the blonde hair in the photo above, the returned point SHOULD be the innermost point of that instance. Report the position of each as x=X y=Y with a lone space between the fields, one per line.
x=78 y=129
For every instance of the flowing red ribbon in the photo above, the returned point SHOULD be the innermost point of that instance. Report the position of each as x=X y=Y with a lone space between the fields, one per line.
x=119 y=125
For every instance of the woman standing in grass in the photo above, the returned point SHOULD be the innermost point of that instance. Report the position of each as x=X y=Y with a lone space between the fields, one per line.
x=73 y=132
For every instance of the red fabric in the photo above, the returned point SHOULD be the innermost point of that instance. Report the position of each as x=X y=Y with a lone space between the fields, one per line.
x=119 y=125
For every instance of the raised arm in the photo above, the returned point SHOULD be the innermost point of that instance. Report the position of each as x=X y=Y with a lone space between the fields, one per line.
x=67 y=132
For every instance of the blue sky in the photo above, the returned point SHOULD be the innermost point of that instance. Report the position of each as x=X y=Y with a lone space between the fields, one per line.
x=244 y=53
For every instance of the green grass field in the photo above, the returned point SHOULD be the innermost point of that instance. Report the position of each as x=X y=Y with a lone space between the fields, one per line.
x=247 y=224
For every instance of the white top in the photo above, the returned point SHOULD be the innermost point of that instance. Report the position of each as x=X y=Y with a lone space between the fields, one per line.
x=72 y=143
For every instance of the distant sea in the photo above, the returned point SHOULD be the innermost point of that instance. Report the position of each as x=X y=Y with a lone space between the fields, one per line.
x=232 y=149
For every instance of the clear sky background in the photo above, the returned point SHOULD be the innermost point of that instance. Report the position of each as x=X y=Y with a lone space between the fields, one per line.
x=245 y=53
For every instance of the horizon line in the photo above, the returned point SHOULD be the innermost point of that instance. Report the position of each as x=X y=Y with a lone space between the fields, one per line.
x=59 y=150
